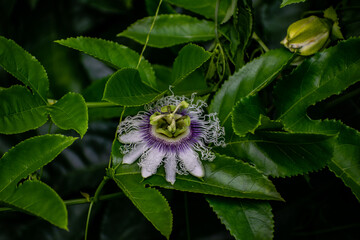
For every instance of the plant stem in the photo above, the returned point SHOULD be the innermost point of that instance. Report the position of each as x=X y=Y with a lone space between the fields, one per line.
x=148 y=35
x=88 y=219
x=101 y=198
x=261 y=43
x=94 y=200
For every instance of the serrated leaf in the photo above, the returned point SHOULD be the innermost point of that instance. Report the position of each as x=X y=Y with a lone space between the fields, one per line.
x=245 y=219
x=70 y=112
x=125 y=88
x=317 y=78
x=243 y=26
x=288 y=2
x=24 y=67
x=224 y=177
x=30 y=155
x=282 y=154
x=150 y=202
x=250 y=79
x=193 y=83
x=207 y=8
x=114 y=54
x=246 y=115
x=170 y=30
x=20 y=110
x=39 y=199
x=189 y=59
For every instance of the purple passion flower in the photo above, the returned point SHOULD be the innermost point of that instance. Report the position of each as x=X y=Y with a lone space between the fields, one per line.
x=173 y=131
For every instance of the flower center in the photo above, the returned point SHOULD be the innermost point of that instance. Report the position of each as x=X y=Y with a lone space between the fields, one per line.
x=168 y=122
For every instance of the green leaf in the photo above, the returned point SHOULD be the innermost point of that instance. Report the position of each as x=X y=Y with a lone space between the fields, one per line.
x=245 y=219
x=150 y=202
x=207 y=8
x=282 y=154
x=116 y=55
x=224 y=177
x=247 y=115
x=24 y=67
x=345 y=163
x=70 y=112
x=39 y=199
x=316 y=79
x=170 y=30
x=20 y=110
x=125 y=88
x=248 y=81
x=288 y=2
x=30 y=155
x=189 y=59
x=326 y=73
x=194 y=82
x=243 y=25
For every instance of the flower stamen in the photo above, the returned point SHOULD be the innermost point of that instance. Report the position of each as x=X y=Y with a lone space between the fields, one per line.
x=169 y=122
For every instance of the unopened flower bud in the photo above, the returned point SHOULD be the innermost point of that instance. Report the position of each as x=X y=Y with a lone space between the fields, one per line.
x=308 y=36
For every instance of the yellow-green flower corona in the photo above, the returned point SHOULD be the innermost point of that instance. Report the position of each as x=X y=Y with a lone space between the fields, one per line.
x=308 y=36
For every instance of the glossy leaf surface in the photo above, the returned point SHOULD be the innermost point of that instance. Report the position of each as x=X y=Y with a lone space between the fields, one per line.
x=207 y=7
x=250 y=79
x=30 y=155
x=170 y=30
x=20 y=110
x=113 y=54
x=125 y=88
x=281 y=154
x=321 y=76
x=224 y=177
x=288 y=2
x=39 y=199
x=189 y=59
x=71 y=112
x=24 y=67
x=150 y=202
x=245 y=219
x=246 y=116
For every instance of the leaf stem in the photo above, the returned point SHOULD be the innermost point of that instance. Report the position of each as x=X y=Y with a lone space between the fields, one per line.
x=148 y=35
x=101 y=104
x=261 y=43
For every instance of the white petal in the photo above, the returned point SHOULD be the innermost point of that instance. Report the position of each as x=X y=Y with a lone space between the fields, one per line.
x=170 y=168
x=192 y=163
x=134 y=154
x=151 y=162
x=133 y=136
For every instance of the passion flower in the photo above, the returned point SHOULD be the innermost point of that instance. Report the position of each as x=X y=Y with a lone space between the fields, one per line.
x=173 y=131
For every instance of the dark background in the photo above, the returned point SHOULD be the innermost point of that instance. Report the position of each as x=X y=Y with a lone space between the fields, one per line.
x=318 y=205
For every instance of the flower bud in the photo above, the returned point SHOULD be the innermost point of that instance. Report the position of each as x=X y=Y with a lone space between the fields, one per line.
x=308 y=36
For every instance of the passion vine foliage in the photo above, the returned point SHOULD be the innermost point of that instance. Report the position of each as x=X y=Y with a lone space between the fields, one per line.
x=284 y=116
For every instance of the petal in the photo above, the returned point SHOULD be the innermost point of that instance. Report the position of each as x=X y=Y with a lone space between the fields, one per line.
x=170 y=168
x=133 y=136
x=134 y=154
x=151 y=162
x=192 y=163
